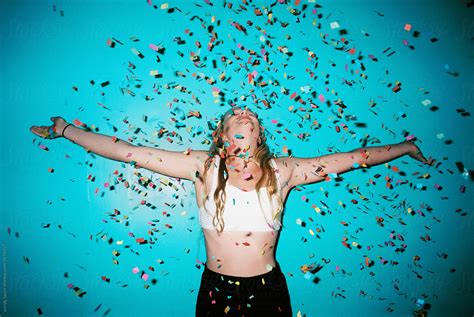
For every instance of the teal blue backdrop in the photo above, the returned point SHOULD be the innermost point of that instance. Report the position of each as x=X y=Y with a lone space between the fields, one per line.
x=325 y=76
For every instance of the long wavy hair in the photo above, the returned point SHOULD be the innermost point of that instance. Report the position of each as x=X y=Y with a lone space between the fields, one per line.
x=262 y=157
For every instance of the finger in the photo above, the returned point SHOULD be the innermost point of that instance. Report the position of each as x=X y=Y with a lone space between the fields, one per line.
x=432 y=161
x=39 y=133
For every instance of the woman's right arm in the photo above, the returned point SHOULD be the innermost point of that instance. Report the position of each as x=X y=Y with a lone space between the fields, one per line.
x=170 y=163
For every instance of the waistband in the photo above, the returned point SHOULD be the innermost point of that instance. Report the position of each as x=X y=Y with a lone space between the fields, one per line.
x=275 y=270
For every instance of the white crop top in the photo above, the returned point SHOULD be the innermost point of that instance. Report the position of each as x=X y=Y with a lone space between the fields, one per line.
x=242 y=211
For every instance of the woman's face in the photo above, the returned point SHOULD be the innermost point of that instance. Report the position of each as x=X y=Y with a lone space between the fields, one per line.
x=241 y=126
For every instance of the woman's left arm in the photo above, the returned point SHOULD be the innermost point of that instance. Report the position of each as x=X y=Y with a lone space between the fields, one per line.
x=311 y=170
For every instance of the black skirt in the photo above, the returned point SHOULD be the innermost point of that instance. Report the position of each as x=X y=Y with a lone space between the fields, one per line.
x=261 y=295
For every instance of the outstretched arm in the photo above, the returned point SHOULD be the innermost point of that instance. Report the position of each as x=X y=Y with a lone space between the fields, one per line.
x=311 y=170
x=170 y=163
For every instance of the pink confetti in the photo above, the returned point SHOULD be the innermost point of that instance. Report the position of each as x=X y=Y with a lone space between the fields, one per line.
x=246 y=176
x=135 y=270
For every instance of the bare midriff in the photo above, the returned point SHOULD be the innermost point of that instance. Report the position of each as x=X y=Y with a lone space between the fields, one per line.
x=240 y=253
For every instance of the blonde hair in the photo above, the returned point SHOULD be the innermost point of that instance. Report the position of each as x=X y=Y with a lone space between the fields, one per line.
x=262 y=157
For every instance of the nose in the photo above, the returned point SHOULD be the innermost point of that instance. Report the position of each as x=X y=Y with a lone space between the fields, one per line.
x=243 y=111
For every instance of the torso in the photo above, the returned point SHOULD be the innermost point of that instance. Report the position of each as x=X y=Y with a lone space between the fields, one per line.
x=227 y=253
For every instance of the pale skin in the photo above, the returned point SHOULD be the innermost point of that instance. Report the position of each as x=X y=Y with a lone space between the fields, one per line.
x=227 y=254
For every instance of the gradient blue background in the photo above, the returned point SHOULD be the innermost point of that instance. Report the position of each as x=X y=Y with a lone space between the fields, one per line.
x=47 y=51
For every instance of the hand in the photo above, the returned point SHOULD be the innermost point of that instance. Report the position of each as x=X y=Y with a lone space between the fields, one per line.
x=52 y=132
x=415 y=152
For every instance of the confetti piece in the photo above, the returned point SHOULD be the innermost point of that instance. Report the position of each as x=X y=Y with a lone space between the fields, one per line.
x=246 y=176
x=110 y=43
x=136 y=52
x=334 y=25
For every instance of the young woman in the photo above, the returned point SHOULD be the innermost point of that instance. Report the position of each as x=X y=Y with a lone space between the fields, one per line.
x=240 y=191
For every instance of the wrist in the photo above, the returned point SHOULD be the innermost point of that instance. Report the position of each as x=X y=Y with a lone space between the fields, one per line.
x=65 y=127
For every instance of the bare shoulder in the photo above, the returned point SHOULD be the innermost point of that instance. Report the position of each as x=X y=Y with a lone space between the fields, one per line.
x=200 y=157
x=284 y=167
